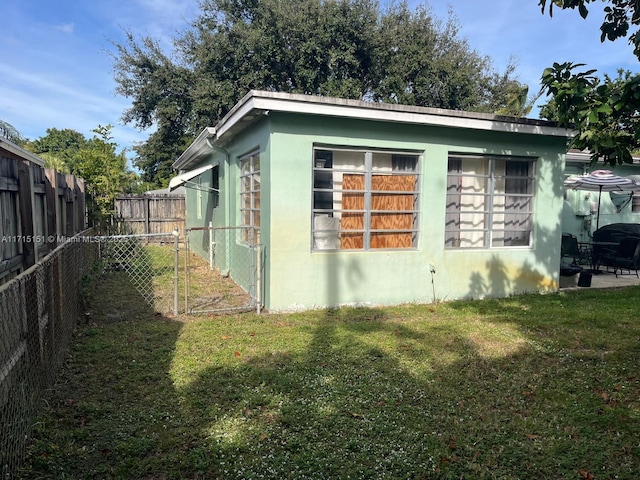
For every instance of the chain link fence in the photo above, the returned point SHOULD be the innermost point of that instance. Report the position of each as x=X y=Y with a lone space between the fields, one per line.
x=222 y=270
x=149 y=263
x=40 y=308
x=38 y=313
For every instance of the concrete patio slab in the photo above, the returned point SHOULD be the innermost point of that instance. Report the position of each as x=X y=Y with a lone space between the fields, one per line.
x=608 y=280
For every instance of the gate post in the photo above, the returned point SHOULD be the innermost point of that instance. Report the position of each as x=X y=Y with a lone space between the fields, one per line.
x=258 y=272
x=176 y=235
x=211 y=244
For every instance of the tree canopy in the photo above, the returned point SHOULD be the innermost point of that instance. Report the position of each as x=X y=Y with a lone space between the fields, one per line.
x=604 y=111
x=11 y=133
x=95 y=160
x=346 y=48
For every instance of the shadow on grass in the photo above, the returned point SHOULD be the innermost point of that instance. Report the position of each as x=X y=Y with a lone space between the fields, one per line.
x=370 y=397
x=412 y=392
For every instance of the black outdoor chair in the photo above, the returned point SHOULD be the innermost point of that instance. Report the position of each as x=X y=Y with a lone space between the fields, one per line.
x=569 y=248
x=627 y=256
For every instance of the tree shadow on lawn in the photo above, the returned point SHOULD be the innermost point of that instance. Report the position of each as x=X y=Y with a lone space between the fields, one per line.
x=108 y=413
x=360 y=393
x=374 y=397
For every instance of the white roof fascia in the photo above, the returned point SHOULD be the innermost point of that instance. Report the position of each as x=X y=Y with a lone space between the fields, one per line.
x=195 y=150
x=20 y=152
x=326 y=106
x=581 y=157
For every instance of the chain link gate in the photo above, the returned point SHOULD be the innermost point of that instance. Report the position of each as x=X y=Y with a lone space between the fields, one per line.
x=222 y=270
x=148 y=262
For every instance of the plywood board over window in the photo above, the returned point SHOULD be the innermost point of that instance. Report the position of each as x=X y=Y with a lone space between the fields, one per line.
x=376 y=205
x=392 y=211
x=352 y=220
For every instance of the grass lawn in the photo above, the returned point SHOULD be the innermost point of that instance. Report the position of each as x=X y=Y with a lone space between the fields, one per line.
x=529 y=387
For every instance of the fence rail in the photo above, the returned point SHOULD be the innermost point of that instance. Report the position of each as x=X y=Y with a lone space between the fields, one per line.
x=38 y=313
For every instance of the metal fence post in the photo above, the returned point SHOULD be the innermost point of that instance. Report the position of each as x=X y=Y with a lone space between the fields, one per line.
x=186 y=272
x=176 y=235
x=258 y=273
x=211 y=243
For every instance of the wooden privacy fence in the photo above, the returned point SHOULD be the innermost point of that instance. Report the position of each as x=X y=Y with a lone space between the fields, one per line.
x=151 y=213
x=39 y=208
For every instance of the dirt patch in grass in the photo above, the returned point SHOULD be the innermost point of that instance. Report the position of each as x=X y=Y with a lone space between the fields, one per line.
x=147 y=279
x=209 y=292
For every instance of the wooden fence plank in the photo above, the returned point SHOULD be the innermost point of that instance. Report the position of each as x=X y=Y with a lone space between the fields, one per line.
x=25 y=206
x=151 y=213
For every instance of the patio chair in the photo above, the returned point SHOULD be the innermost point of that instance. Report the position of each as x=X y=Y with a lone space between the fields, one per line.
x=570 y=248
x=627 y=256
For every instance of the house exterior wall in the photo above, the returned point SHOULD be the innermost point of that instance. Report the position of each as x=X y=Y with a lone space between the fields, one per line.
x=230 y=253
x=296 y=277
x=577 y=216
x=200 y=216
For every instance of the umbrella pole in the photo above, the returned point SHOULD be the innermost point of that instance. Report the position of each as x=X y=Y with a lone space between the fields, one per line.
x=598 y=216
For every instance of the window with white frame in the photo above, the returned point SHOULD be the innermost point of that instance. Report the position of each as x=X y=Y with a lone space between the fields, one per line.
x=250 y=196
x=364 y=199
x=489 y=201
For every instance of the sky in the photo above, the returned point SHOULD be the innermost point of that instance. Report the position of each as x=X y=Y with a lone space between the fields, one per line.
x=56 y=71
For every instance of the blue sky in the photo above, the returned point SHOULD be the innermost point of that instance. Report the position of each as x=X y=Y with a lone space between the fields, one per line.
x=55 y=70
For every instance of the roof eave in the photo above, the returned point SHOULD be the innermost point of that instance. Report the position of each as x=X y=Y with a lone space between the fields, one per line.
x=196 y=150
x=262 y=101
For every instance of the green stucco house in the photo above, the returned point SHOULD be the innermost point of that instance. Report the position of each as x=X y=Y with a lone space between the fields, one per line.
x=362 y=203
x=581 y=207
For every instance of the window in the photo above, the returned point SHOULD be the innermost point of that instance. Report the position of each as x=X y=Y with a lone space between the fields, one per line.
x=207 y=187
x=199 y=197
x=364 y=199
x=250 y=196
x=635 y=203
x=489 y=202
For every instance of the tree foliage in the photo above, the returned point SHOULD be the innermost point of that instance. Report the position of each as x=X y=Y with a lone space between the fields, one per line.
x=346 y=48
x=95 y=160
x=58 y=148
x=603 y=111
x=11 y=133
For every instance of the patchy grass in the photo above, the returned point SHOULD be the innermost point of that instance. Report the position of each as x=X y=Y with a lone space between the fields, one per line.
x=525 y=387
x=149 y=271
x=208 y=290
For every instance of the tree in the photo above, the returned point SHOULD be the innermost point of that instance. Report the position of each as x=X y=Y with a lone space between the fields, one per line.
x=58 y=148
x=518 y=102
x=344 y=48
x=11 y=133
x=95 y=160
x=603 y=111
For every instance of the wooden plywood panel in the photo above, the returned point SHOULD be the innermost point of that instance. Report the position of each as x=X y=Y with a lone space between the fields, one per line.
x=391 y=240
x=387 y=202
x=352 y=221
x=392 y=202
